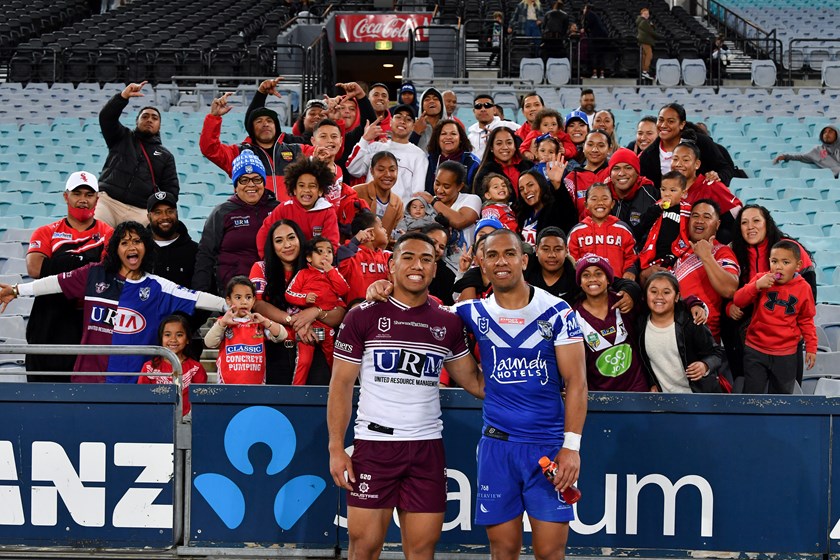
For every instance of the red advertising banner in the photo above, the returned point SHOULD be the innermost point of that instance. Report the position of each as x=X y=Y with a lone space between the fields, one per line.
x=369 y=28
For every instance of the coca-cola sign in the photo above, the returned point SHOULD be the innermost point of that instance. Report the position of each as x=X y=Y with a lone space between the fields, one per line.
x=380 y=27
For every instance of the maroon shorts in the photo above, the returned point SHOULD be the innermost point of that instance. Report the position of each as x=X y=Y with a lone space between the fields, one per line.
x=409 y=475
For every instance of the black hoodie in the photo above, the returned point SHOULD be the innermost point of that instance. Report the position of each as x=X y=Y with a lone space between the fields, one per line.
x=138 y=165
x=176 y=261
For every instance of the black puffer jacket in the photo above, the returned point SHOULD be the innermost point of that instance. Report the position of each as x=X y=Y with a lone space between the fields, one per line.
x=126 y=175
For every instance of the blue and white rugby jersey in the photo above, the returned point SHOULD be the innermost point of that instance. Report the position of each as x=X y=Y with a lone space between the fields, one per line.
x=523 y=383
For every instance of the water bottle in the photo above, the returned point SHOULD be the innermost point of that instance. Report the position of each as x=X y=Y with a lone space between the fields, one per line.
x=549 y=468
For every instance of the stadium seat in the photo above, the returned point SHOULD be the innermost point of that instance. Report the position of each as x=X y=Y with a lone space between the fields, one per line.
x=12 y=326
x=763 y=73
x=811 y=174
x=421 y=68
x=693 y=72
x=831 y=73
x=13 y=249
x=668 y=72
x=558 y=71
x=532 y=70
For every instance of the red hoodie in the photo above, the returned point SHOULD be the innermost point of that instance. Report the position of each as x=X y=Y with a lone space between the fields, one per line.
x=716 y=191
x=783 y=314
x=321 y=219
x=611 y=239
x=224 y=154
x=578 y=182
x=524 y=130
x=569 y=149
x=363 y=269
x=330 y=287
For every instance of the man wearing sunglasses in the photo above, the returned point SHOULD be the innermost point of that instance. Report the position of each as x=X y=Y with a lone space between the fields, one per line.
x=486 y=121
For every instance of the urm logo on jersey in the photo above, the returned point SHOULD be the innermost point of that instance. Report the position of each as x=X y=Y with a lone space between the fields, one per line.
x=415 y=364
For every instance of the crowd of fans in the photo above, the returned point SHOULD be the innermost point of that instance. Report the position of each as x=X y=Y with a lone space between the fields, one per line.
x=678 y=286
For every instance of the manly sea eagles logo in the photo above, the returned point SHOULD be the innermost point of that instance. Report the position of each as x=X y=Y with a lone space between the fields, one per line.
x=545 y=330
x=438 y=332
x=145 y=293
x=101 y=287
x=384 y=324
x=160 y=195
x=483 y=325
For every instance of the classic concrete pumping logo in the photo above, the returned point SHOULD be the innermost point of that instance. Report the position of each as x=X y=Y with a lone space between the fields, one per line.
x=259 y=424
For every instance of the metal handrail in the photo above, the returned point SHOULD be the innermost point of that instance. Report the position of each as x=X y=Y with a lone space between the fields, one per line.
x=741 y=24
x=800 y=40
x=179 y=429
x=463 y=44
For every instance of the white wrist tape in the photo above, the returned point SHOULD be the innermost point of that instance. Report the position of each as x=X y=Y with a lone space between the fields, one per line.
x=571 y=441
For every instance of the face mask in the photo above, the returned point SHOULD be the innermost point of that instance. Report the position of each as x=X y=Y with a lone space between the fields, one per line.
x=80 y=214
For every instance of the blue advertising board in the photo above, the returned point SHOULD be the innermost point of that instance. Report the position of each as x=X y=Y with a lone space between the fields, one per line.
x=659 y=473
x=260 y=472
x=87 y=466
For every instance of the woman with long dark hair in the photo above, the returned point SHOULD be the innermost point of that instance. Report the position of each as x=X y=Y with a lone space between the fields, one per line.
x=502 y=156
x=123 y=303
x=271 y=276
x=671 y=126
x=755 y=232
x=449 y=142
x=540 y=206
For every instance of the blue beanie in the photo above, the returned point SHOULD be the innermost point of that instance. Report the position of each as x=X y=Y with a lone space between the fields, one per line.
x=246 y=162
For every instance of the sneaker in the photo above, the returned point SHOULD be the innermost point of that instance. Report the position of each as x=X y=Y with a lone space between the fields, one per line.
x=646 y=76
x=594 y=77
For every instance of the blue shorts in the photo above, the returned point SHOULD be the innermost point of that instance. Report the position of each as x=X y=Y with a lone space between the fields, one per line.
x=510 y=482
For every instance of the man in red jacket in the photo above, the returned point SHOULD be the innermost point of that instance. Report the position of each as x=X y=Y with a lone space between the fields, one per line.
x=265 y=139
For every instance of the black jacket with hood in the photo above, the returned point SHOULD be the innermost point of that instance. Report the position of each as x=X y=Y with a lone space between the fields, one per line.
x=176 y=261
x=128 y=176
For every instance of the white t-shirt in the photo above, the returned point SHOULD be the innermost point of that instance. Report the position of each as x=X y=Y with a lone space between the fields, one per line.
x=661 y=348
x=412 y=163
x=462 y=239
x=665 y=160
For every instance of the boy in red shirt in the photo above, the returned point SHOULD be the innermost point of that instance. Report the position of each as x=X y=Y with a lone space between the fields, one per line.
x=363 y=260
x=322 y=286
x=783 y=314
x=603 y=234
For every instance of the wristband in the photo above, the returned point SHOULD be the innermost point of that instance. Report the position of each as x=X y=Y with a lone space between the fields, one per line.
x=434 y=199
x=15 y=291
x=270 y=324
x=288 y=319
x=571 y=441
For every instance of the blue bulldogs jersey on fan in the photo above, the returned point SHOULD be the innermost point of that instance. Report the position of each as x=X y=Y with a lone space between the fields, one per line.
x=523 y=384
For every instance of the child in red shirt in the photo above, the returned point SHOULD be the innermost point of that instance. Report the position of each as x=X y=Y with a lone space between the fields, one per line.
x=602 y=234
x=363 y=260
x=322 y=286
x=784 y=312
x=240 y=336
x=550 y=122
x=496 y=191
x=174 y=333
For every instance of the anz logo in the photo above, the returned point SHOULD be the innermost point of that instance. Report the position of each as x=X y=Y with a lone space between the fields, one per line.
x=259 y=424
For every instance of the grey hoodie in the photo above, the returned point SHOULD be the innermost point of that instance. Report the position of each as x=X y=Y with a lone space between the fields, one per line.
x=423 y=142
x=409 y=223
x=824 y=155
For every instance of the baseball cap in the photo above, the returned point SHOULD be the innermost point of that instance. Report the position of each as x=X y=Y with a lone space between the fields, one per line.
x=81 y=179
x=405 y=109
x=579 y=115
x=161 y=197
x=312 y=103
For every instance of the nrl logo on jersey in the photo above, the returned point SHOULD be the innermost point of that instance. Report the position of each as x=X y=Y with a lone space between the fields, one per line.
x=384 y=324
x=483 y=325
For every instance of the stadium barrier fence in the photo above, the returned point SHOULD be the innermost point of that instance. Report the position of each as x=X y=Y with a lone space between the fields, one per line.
x=112 y=467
